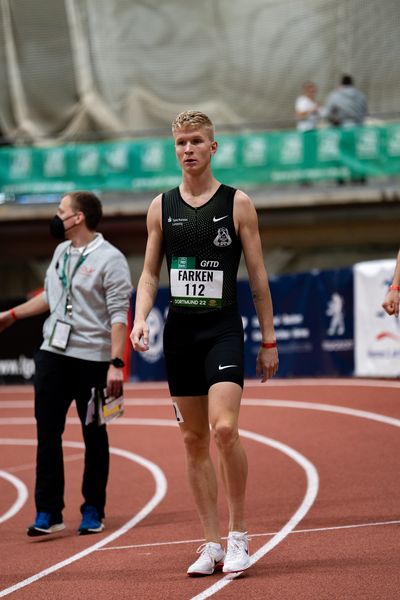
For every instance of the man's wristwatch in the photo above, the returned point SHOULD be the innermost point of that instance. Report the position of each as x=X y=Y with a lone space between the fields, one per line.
x=117 y=362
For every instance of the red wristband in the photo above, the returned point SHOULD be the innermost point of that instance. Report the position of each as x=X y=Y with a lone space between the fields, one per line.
x=394 y=288
x=12 y=313
x=268 y=344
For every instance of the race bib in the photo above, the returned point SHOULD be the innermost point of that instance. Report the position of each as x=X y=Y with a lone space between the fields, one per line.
x=195 y=288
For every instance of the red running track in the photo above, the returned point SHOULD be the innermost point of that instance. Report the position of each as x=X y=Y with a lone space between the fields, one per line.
x=323 y=500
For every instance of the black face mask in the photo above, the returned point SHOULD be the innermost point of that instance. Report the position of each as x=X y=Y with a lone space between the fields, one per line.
x=57 y=228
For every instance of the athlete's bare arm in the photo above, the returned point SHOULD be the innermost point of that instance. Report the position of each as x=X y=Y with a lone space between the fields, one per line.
x=246 y=222
x=149 y=279
x=391 y=301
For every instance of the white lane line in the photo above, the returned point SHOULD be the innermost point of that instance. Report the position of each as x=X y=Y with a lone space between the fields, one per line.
x=30 y=466
x=335 y=528
x=17 y=421
x=300 y=405
x=161 y=489
x=253 y=535
x=16 y=403
x=290 y=383
x=76 y=421
x=22 y=496
x=311 y=492
x=289 y=404
x=343 y=410
x=17 y=390
x=307 y=502
x=22 y=404
x=323 y=382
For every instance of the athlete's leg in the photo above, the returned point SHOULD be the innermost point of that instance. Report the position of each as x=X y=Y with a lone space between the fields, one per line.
x=201 y=473
x=224 y=406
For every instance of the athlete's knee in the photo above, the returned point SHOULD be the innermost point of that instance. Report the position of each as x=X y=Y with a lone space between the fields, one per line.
x=196 y=443
x=225 y=434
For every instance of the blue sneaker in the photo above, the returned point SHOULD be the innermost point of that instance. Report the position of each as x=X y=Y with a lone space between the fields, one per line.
x=91 y=522
x=44 y=524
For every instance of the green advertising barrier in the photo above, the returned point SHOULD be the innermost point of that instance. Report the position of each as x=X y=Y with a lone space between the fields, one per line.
x=279 y=157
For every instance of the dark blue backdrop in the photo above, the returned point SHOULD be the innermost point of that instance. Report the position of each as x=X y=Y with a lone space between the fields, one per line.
x=313 y=315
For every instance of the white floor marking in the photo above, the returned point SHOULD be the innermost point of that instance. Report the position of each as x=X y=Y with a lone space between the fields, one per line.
x=16 y=403
x=256 y=402
x=301 y=382
x=253 y=535
x=32 y=466
x=75 y=421
x=22 y=495
x=343 y=410
x=161 y=488
x=27 y=389
x=300 y=405
x=311 y=492
x=308 y=500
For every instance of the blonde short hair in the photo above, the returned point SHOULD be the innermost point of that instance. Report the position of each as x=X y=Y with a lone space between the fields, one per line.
x=193 y=119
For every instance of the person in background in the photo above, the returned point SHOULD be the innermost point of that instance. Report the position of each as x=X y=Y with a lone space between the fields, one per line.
x=87 y=291
x=307 y=108
x=391 y=300
x=346 y=106
x=202 y=227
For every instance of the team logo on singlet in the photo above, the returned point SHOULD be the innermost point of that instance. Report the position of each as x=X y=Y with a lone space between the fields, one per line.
x=223 y=238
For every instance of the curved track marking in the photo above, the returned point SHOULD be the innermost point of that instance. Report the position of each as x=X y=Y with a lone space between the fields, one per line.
x=311 y=492
x=299 y=405
x=282 y=382
x=161 y=488
x=343 y=410
x=22 y=495
x=308 y=500
x=254 y=535
x=273 y=403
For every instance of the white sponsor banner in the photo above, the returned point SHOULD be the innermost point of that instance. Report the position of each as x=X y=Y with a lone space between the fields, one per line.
x=376 y=334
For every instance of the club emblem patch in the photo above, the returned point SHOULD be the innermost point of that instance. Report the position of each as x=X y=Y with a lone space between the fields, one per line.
x=223 y=238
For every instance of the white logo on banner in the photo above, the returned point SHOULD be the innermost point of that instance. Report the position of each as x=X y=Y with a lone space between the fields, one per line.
x=335 y=311
x=118 y=158
x=376 y=334
x=337 y=327
x=54 y=163
x=152 y=157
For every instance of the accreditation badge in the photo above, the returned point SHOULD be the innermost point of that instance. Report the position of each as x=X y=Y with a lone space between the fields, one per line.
x=60 y=335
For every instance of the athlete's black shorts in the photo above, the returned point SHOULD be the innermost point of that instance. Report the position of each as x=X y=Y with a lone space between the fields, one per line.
x=202 y=349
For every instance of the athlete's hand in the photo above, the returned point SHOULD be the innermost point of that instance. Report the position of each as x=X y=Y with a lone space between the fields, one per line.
x=140 y=336
x=267 y=363
x=391 y=303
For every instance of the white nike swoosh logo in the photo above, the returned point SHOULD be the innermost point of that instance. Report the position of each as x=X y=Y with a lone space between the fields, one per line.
x=216 y=219
x=221 y=367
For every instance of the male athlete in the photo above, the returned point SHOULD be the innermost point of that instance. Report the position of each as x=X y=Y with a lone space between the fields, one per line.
x=202 y=226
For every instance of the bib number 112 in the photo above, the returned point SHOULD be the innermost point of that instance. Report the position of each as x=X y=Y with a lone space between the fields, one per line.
x=194 y=289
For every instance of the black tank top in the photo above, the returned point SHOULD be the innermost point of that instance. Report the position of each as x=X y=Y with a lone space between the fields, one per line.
x=202 y=251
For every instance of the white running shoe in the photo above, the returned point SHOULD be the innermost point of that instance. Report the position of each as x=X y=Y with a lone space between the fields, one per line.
x=237 y=555
x=211 y=559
